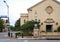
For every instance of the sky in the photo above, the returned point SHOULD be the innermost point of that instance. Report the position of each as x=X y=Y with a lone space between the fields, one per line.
x=16 y=7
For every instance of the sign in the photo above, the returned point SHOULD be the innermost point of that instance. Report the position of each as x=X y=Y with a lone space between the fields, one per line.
x=3 y=17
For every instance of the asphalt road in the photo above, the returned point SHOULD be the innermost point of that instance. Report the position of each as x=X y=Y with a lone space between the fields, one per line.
x=3 y=35
x=8 y=40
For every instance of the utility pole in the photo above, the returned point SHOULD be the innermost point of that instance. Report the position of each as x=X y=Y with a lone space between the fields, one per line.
x=8 y=18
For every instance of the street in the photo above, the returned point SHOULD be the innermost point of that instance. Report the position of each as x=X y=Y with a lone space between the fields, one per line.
x=4 y=38
x=3 y=35
x=8 y=40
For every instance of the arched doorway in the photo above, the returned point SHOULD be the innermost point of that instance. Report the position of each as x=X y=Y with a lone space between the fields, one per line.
x=49 y=28
x=49 y=24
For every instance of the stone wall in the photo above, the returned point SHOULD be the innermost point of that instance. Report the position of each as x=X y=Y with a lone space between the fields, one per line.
x=50 y=34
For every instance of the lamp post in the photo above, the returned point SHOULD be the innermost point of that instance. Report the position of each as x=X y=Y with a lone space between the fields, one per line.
x=36 y=22
x=8 y=18
x=36 y=30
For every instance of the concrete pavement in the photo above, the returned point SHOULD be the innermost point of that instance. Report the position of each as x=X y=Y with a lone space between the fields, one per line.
x=27 y=38
x=4 y=35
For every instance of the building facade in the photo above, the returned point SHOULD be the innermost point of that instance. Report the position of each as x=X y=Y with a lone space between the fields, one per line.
x=47 y=12
x=6 y=24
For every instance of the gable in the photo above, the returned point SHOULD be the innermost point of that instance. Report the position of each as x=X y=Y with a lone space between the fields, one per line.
x=42 y=2
x=36 y=4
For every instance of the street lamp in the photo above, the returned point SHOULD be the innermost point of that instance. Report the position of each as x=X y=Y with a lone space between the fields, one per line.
x=35 y=23
x=8 y=18
x=36 y=28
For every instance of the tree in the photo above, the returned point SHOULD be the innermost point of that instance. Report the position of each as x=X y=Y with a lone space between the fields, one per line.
x=1 y=25
x=28 y=26
x=58 y=29
x=12 y=28
x=17 y=25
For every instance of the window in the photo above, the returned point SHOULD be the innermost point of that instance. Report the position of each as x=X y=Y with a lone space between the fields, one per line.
x=7 y=21
x=24 y=20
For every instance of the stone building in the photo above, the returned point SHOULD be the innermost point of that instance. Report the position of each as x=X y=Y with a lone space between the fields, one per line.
x=6 y=24
x=48 y=13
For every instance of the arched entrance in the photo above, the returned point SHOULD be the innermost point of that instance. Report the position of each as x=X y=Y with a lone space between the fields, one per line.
x=49 y=24
x=49 y=28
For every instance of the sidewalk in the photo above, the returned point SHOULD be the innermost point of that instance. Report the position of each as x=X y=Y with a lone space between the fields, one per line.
x=24 y=38
x=27 y=38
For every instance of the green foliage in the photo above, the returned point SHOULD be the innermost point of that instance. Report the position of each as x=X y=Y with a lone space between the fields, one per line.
x=27 y=26
x=25 y=34
x=38 y=25
x=14 y=28
x=42 y=31
x=1 y=24
x=17 y=26
x=58 y=29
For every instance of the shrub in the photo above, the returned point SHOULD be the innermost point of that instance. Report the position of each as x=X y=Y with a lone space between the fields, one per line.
x=24 y=34
x=42 y=31
x=58 y=29
x=55 y=30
